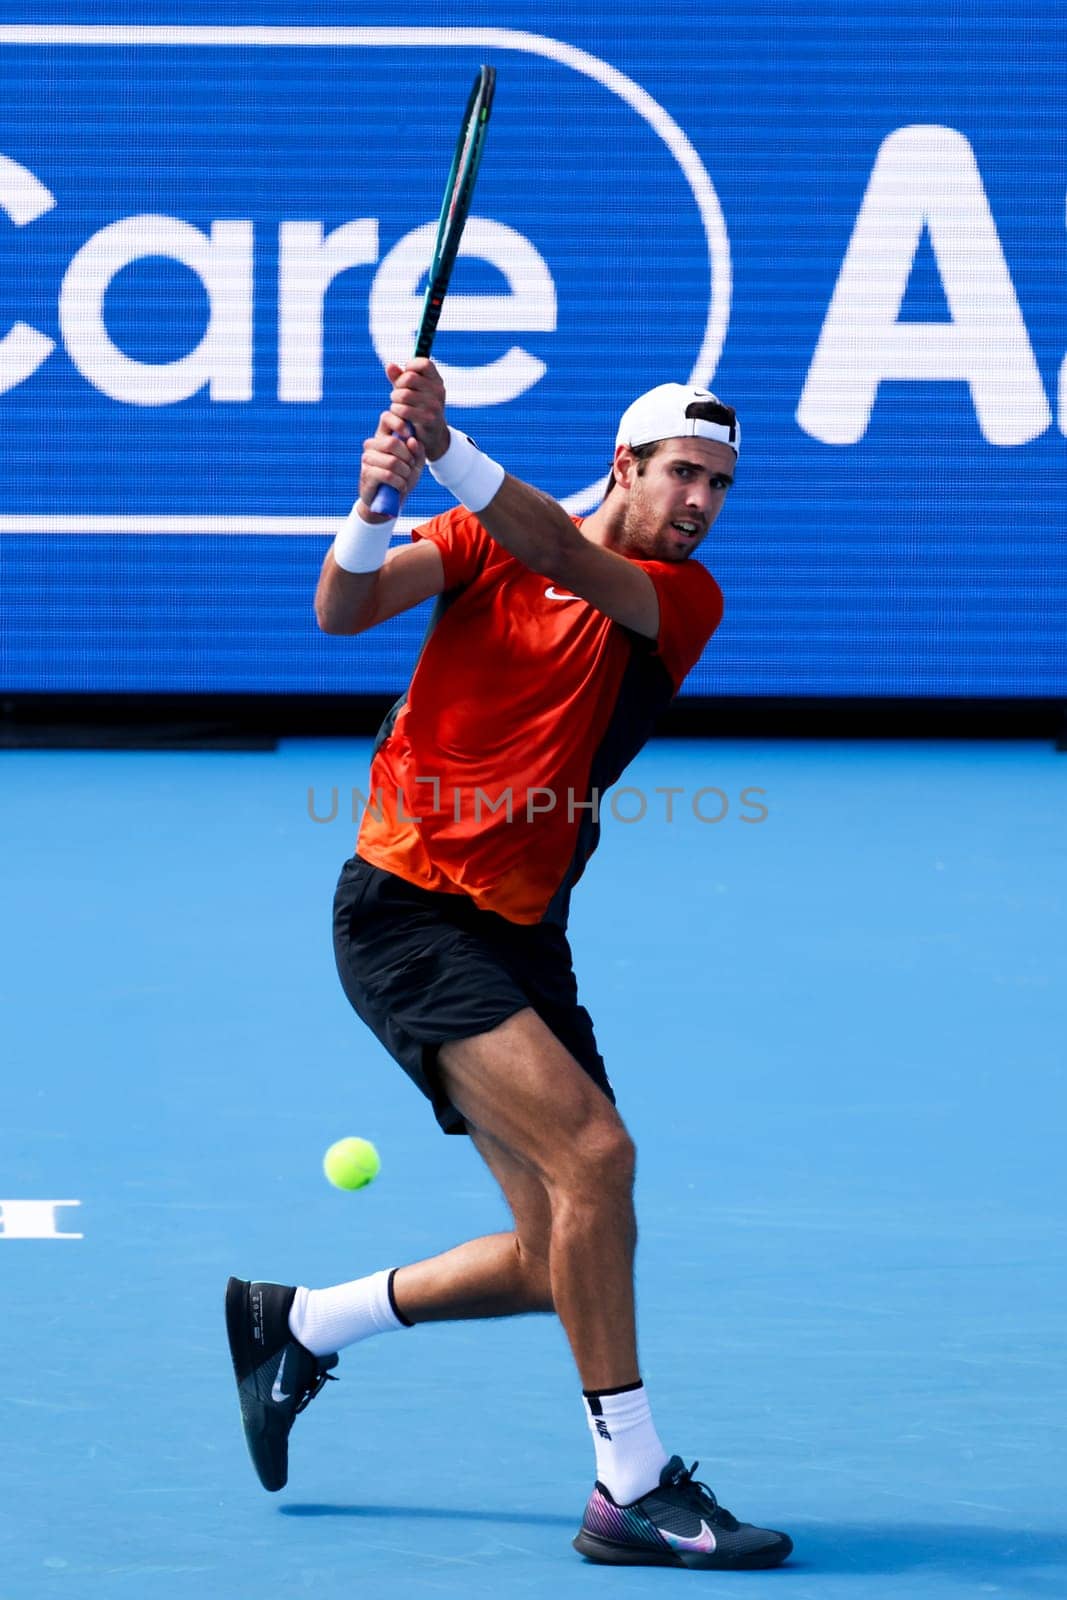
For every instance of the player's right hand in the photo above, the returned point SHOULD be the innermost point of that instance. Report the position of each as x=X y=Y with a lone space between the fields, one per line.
x=419 y=397
x=392 y=456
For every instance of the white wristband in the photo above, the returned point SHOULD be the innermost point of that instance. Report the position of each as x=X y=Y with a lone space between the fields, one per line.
x=467 y=472
x=361 y=546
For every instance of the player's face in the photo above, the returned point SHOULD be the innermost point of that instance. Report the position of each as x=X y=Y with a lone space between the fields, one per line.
x=673 y=502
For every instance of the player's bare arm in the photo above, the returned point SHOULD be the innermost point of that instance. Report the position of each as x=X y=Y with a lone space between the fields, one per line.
x=537 y=530
x=352 y=602
x=530 y=524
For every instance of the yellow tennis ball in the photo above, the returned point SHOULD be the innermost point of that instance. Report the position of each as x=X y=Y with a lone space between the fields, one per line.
x=351 y=1163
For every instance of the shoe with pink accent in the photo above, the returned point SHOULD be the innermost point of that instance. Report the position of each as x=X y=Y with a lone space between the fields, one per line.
x=678 y=1524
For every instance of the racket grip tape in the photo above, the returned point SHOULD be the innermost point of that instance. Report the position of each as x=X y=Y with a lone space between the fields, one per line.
x=386 y=502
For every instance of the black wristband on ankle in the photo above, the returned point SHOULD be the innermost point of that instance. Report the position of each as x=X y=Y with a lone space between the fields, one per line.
x=397 y=1313
x=600 y=1394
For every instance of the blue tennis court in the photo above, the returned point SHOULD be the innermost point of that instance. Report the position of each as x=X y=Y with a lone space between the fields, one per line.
x=837 y=1034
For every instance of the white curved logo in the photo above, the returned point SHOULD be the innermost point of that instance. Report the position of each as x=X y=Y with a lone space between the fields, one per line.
x=23 y=348
x=278 y=1391
x=703 y=1543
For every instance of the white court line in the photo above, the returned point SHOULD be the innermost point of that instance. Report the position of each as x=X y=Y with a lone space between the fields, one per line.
x=138 y=524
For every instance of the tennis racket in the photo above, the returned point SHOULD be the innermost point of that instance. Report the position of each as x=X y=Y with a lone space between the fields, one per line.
x=455 y=209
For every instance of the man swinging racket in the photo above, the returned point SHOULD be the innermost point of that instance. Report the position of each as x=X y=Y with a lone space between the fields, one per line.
x=555 y=645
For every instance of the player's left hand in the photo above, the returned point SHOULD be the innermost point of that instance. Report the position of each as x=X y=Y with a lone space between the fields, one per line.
x=394 y=456
x=418 y=398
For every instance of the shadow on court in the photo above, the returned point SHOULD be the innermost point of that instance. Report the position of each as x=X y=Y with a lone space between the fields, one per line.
x=966 y=1551
x=434 y=1513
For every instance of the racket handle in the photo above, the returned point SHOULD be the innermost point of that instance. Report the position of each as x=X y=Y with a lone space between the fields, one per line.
x=386 y=502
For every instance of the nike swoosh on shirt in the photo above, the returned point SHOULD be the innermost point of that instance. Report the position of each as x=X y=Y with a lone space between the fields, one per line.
x=702 y=1543
x=554 y=594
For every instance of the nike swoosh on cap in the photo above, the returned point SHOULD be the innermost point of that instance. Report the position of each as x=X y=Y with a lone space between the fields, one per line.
x=704 y=1541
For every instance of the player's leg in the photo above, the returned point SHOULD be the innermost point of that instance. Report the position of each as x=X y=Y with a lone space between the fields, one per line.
x=558 y=1147
x=669 y=1519
x=499 y=1275
x=535 y=1095
x=455 y=993
x=521 y=1087
x=565 y=1164
x=283 y=1340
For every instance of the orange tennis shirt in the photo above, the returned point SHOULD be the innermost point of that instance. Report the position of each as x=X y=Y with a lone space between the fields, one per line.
x=524 y=707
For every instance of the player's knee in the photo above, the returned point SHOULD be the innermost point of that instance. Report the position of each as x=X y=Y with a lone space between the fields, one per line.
x=620 y=1155
x=607 y=1158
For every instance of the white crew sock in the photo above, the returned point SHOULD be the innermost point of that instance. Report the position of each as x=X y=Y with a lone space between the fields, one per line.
x=325 y=1320
x=629 y=1456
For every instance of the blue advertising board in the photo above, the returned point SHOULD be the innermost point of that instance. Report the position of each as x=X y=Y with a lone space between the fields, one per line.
x=850 y=225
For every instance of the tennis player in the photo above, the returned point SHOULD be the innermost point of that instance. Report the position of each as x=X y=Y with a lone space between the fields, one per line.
x=555 y=644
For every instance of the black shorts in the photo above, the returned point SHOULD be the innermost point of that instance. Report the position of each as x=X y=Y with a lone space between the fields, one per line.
x=421 y=968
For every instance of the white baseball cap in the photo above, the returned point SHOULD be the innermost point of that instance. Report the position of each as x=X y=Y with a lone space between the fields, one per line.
x=678 y=411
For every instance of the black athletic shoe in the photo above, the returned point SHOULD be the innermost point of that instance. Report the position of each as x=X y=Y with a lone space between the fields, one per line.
x=680 y=1524
x=276 y=1376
